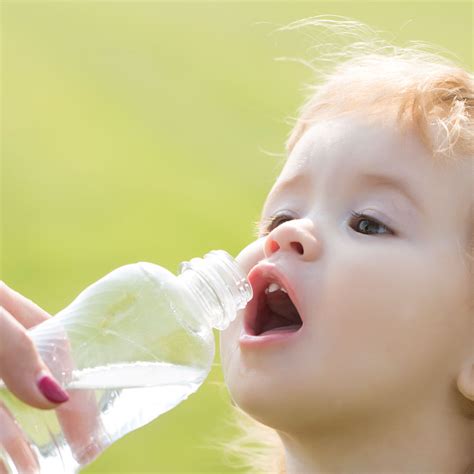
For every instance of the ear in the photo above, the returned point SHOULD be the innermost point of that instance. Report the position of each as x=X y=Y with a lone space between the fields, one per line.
x=465 y=381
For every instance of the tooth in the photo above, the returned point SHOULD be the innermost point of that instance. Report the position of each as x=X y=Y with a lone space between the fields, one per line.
x=273 y=287
x=283 y=289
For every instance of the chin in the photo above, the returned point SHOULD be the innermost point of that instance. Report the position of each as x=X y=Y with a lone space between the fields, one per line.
x=264 y=401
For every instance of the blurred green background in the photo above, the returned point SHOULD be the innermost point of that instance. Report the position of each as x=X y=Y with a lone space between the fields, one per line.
x=152 y=131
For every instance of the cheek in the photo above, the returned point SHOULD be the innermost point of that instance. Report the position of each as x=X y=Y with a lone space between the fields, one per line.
x=389 y=322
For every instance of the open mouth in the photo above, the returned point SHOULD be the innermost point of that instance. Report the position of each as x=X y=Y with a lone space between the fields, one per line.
x=273 y=309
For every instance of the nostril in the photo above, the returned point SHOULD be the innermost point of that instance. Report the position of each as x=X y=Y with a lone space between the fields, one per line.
x=274 y=246
x=298 y=247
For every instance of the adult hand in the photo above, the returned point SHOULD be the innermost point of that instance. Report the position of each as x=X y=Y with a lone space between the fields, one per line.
x=21 y=367
x=28 y=378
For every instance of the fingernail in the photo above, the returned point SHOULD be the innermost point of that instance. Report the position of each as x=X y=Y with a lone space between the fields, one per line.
x=51 y=389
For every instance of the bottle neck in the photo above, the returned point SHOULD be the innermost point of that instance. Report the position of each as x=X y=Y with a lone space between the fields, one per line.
x=219 y=286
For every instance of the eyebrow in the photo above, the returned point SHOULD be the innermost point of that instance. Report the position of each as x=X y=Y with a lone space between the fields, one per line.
x=368 y=178
x=394 y=182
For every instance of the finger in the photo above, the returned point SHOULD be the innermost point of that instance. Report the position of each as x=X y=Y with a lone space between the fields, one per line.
x=82 y=427
x=22 y=309
x=14 y=442
x=21 y=368
x=79 y=417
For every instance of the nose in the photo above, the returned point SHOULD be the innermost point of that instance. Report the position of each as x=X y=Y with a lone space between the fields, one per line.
x=293 y=236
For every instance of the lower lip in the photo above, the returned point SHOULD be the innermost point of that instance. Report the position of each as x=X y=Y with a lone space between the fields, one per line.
x=270 y=339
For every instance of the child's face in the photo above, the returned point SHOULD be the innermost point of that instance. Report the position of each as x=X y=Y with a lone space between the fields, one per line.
x=385 y=308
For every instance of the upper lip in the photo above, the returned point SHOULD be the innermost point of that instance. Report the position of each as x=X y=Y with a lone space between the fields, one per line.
x=260 y=278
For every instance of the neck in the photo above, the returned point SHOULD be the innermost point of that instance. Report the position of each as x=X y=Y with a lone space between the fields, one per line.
x=435 y=441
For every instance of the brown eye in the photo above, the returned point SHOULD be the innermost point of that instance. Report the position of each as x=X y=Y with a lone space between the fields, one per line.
x=270 y=223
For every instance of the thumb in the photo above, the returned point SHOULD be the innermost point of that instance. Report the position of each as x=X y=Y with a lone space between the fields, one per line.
x=21 y=368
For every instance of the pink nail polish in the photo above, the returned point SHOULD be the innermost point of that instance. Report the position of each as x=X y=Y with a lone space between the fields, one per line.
x=51 y=389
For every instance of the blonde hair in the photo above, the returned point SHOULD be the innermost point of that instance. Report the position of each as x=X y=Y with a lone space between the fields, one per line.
x=422 y=90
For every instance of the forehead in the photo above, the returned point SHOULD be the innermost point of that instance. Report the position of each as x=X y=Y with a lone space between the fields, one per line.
x=341 y=147
x=345 y=146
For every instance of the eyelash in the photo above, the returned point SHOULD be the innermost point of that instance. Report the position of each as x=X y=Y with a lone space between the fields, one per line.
x=269 y=223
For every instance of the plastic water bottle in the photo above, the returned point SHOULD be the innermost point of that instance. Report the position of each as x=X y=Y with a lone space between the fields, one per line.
x=130 y=347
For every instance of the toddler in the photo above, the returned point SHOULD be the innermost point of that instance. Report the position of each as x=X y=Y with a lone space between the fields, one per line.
x=357 y=350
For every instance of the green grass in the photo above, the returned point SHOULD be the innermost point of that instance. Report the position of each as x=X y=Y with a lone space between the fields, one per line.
x=143 y=131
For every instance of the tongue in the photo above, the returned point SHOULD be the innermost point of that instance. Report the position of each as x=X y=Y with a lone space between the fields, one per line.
x=282 y=314
x=293 y=327
x=280 y=303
